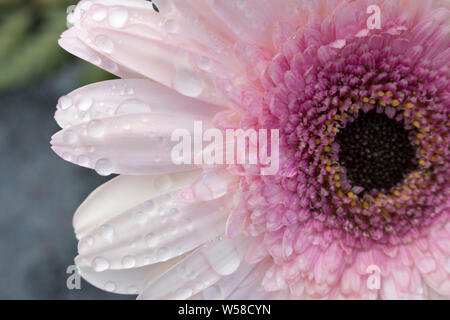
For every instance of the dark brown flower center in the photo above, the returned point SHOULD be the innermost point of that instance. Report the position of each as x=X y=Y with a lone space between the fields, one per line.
x=376 y=151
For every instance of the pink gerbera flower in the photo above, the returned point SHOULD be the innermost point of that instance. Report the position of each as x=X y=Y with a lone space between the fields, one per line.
x=359 y=92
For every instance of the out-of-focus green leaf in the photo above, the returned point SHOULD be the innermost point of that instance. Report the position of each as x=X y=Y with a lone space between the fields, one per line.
x=29 y=30
x=13 y=29
x=36 y=54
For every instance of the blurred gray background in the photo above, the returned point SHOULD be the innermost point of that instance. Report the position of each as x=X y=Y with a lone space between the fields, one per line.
x=39 y=192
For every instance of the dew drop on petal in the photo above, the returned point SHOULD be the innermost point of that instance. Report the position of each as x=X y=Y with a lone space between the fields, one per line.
x=110 y=286
x=65 y=103
x=118 y=17
x=100 y=264
x=188 y=83
x=163 y=253
x=85 y=103
x=204 y=63
x=128 y=262
x=103 y=167
x=99 y=14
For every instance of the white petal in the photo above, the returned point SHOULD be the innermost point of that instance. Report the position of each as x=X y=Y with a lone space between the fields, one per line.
x=128 y=96
x=198 y=271
x=132 y=144
x=125 y=281
x=122 y=193
x=154 y=231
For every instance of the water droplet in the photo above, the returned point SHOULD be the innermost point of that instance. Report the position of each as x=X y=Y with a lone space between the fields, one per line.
x=182 y=293
x=163 y=253
x=96 y=128
x=100 y=14
x=223 y=257
x=110 y=286
x=110 y=66
x=128 y=262
x=70 y=137
x=126 y=126
x=118 y=17
x=104 y=43
x=103 y=167
x=100 y=264
x=187 y=83
x=65 y=103
x=151 y=239
x=107 y=232
x=83 y=160
x=204 y=63
x=85 y=103
x=133 y=106
x=95 y=59
x=162 y=183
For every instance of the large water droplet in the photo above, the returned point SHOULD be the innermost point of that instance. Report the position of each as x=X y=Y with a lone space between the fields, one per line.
x=103 y=167
x=187 y=83
x=99 y=14
x=65 y=103
x=133 y=106
x=223 y=257
x=100 y=264
x=96 y=128
x=85 y=103
x=118 y=17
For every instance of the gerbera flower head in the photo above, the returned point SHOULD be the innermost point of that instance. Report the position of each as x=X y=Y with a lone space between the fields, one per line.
x=358 y=91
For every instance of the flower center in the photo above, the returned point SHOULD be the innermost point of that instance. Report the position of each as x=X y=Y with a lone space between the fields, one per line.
x=376 y=152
